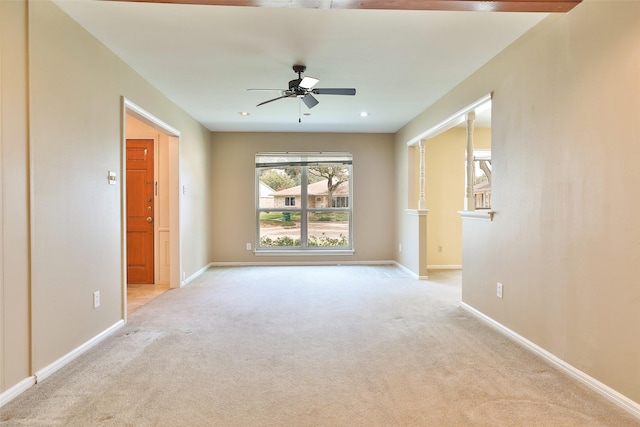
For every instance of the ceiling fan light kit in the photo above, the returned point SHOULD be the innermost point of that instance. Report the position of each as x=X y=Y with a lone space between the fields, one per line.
x=303 y=89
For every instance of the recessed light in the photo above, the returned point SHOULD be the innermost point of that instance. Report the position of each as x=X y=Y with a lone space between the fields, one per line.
x=364 y=114
x=244 y=113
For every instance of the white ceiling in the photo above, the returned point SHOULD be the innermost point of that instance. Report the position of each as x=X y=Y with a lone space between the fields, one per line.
x=204 y=58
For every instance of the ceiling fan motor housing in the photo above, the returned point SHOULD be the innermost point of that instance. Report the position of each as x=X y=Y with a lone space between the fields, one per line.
x=294 y=84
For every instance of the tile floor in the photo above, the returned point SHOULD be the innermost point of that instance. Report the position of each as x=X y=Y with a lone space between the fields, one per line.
x=139 y=294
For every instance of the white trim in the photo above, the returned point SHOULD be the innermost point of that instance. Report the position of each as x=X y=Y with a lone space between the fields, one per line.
x=13 y=392
x=411 y=273
x=48 y=370
x=604 y=390
x=451 y=121
x=302 y=252
x=444 y=267
x=481 y=215
x=300 y=263
x=191 y=278
x=139 y=111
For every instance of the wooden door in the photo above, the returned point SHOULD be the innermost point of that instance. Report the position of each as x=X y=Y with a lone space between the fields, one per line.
x=140 y=211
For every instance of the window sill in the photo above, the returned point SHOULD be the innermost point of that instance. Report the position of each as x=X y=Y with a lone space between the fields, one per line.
x=484 y=215
x=307 y=252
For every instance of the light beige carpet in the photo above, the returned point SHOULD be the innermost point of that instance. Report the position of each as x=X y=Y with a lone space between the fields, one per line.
x=310 y=346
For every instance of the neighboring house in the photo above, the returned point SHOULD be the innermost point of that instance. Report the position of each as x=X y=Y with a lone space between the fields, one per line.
x=266 y=195
x=482 y=194
x=317 y=195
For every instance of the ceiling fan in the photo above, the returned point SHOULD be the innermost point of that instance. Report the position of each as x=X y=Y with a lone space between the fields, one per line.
x=303 y=88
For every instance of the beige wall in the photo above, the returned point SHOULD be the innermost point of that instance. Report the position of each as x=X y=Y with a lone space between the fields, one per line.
x=233 y=167
x=565 y=143
x=66 y=142
x=14 y=196
x=445 y=157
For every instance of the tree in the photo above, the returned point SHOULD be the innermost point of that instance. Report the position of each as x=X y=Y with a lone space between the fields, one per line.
x=294 y=173
x=335 y=175
x=485 y=165
x=277 y=179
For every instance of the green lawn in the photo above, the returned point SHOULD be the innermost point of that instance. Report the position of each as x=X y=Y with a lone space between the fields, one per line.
x=278 y=218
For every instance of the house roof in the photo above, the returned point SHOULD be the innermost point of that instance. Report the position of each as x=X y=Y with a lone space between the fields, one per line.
x=265 y=190
x=481 y=186
x=316 y=189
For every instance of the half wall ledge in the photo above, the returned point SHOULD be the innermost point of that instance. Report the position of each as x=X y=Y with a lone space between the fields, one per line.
x=481 y=215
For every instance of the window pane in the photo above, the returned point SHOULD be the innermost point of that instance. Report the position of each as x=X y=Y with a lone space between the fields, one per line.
x=280 y=229
x=482 y=181
x=279 y=187
x=328 y=228
x=328 y=186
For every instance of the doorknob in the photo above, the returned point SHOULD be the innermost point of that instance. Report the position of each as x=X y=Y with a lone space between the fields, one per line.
x=149 y=219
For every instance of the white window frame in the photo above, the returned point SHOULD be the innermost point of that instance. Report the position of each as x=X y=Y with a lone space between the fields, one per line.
x=304 y=160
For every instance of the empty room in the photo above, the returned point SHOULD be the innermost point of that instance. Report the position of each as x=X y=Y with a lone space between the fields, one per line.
x=327 y=212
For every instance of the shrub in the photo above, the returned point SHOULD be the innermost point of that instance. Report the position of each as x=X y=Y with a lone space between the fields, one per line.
x=322 y=241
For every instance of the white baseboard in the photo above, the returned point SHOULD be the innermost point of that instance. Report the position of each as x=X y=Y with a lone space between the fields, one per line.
x=195 y=275
x=444 y=267
x=297 y=263
x=13 y=392
x=409 y=272
x=48 y=370
x=604 y=390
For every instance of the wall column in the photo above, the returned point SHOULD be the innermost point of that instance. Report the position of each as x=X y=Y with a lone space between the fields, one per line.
x=422 y=203
x=469 y=201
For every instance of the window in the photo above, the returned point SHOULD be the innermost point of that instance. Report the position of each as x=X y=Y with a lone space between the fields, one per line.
x=482 y=179
x=340 y=202
x=310 y=209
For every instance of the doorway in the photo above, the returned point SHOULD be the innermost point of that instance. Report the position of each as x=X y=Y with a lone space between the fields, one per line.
x=440 y=170
x=150 y=184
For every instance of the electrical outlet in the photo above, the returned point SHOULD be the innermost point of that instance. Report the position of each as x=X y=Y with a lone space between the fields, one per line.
x=96 y=299
x=248 y=246
x=499 y=290
x=439 y=248
x=400 y=247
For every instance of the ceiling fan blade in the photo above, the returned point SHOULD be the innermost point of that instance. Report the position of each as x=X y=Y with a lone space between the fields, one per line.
x=308 y=82
x=334 y=91
x=274 y=99
x=309 y=101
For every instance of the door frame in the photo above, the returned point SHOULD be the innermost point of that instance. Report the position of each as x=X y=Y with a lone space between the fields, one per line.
x=175 y=255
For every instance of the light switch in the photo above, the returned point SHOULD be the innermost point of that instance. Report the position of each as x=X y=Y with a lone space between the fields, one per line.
x=113 y=180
